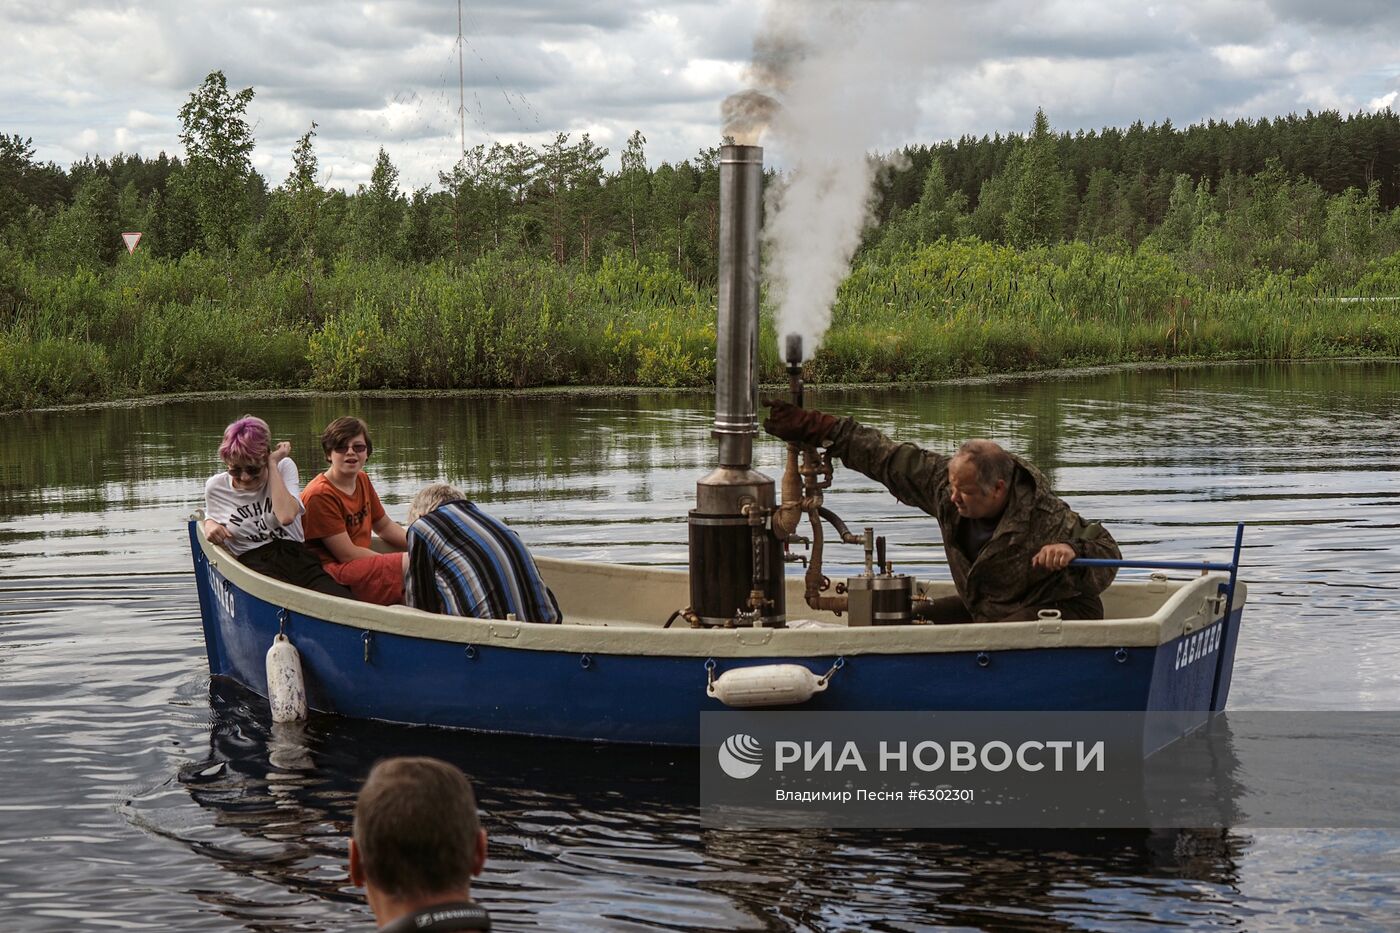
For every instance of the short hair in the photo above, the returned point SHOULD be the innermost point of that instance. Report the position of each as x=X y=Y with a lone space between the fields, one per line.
x=416 y=827
x=990 y=460
x=342 y=431
x=246 y=440
x=430 y=497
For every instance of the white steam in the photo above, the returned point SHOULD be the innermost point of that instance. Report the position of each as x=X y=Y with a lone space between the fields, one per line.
x=833 y=82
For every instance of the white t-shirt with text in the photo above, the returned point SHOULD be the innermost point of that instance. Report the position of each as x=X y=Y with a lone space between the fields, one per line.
x=248 y=514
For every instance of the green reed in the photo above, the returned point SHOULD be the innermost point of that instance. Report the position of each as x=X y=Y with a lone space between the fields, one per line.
x=149 y=326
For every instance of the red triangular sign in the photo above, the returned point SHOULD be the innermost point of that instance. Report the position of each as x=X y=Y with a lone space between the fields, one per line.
x=131 y=239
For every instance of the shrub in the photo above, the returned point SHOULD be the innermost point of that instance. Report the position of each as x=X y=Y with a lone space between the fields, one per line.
x=205 y=346
x=50 y=371
x=346 y=353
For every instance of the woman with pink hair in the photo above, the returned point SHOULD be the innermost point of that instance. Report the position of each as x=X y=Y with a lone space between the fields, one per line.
x=252 y=508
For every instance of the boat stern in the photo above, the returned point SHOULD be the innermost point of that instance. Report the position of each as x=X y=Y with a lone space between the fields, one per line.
x=1193 y=669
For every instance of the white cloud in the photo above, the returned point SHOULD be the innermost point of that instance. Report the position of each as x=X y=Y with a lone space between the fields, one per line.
x=603 y=134
x=91 y=76
x=662 y=20
x=140 y=119
x=591 y=60
x=1247 y=60
x=711 y=76
x=1327 y=97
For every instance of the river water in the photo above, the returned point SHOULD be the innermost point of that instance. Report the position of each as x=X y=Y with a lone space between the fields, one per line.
x=135 y=796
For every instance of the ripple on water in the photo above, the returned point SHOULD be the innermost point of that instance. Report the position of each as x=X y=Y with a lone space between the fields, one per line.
x=134 y=797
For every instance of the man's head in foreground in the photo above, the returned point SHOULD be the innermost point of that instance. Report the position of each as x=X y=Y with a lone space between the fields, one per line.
x=417 y=841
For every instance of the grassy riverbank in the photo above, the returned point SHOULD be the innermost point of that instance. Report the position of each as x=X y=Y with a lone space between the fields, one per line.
x=147 y=326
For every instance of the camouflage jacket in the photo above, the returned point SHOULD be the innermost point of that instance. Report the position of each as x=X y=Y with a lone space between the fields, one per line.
x=1001 y=581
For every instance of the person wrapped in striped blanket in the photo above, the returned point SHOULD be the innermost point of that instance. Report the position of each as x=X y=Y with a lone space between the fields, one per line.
x=464 y=562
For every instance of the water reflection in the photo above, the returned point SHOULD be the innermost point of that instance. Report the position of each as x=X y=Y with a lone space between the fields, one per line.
x=103 y=684
x=588 y=831
x=498 y=442
x=1171 y=459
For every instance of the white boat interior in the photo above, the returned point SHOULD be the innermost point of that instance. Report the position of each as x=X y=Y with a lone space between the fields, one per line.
x=620 y=609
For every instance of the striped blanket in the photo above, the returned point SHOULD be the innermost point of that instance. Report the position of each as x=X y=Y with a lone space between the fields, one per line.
x=463 y=562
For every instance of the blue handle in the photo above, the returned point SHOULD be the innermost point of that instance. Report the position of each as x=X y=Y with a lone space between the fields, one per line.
x=1231 y=568
x=1150 y=564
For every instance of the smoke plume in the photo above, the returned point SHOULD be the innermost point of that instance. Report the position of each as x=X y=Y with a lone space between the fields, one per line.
x=746 y=115
x=830 y=82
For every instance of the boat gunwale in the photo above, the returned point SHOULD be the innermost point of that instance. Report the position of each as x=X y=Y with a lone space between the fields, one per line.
x=1169 y=622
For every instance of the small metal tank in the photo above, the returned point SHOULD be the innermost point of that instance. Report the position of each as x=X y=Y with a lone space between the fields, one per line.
x=881 y=599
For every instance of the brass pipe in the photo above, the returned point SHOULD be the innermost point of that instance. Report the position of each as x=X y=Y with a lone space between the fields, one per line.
x=808 y=472
x=789 y=513
x=814 y=577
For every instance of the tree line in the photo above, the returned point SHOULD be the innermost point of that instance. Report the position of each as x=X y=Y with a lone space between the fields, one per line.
x=1231 y=202
x=538 y=265
x=555 y=200
x=1224 y=198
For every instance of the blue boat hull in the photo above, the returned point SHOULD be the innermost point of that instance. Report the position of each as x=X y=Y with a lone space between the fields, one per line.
x=357 y=672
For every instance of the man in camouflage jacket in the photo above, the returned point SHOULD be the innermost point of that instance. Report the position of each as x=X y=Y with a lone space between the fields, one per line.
x=1008 y=537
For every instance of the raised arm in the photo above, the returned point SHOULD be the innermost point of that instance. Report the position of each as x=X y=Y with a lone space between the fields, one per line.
x=913 y=474
x=285 y=505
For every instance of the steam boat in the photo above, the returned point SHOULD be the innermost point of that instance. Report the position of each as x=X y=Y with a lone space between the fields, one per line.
x=643 y=651
x=612 y=672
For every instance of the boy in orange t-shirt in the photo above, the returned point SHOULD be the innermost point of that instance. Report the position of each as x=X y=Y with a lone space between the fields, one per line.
x=341 y=510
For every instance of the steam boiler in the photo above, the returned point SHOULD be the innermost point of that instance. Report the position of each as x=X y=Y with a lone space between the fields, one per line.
x=741 y=537
x=736 y=561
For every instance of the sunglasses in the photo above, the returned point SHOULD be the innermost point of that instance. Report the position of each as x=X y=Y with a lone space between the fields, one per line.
x=252 y=472
x=346 y=448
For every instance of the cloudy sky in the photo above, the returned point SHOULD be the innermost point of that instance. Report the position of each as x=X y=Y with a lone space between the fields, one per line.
x=104 y=76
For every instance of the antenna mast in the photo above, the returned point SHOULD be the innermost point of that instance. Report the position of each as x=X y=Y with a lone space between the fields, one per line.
x=461 y=81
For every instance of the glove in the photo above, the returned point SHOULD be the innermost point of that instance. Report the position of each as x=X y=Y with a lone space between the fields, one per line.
x=798 y=425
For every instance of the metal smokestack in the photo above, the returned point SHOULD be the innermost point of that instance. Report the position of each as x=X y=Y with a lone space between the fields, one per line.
x=736 y=562
x=736 y=388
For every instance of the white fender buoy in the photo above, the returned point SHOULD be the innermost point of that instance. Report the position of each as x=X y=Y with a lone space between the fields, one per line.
x=766 y=685
x=285 y=689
